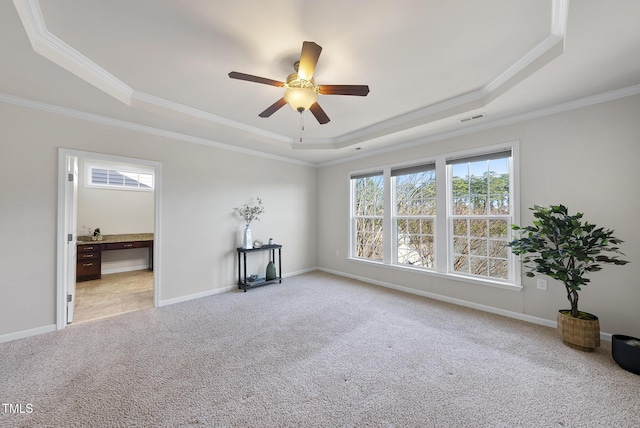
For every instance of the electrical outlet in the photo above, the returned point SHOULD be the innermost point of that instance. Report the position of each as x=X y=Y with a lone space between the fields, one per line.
x=338 y=253
x=542 y=284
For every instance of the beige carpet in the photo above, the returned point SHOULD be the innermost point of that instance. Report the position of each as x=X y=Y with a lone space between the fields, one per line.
x=316 y=351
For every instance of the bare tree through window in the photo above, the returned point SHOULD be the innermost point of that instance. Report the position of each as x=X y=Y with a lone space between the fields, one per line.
x=415 y=197
x=368 y=216
x=480 y=217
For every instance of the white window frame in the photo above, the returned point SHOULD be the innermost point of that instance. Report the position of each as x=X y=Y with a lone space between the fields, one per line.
x=395 y=217
x=443 y=234
x=121 y=169
x=353 y=217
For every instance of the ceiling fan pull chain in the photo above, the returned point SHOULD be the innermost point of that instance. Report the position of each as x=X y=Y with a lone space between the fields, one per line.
x=301 y=125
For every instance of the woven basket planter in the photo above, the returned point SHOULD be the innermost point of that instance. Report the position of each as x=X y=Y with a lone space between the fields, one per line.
x=579 y=333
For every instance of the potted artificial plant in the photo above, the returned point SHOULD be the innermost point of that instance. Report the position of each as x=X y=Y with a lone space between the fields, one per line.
x=565 y=248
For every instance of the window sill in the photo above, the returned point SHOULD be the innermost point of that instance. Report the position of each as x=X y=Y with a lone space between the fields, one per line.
x=449 y=276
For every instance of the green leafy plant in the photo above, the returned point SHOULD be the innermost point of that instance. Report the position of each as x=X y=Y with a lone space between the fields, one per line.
x=250 y=212
x=565 y=248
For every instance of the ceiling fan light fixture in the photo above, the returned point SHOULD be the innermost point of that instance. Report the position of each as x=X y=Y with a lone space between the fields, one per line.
x=300 y=99
x=301 y=93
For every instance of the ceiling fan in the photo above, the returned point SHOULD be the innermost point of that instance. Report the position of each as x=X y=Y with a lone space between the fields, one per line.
x=301 y=91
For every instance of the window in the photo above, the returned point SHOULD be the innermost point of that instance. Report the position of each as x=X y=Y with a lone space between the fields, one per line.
x=480 y=215
x=368 y=211
x=414 y=191
x=118 y=177
x=449 y=215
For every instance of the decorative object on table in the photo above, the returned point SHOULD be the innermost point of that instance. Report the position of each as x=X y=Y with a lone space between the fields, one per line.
x=270 y=241
x=249 y=213
x=271 y=271
x=96 y=235
x=565 y=248
x=257 y=244
x=625 y=351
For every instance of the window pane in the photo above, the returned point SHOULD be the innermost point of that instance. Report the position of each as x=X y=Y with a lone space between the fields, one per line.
x=498 y=248
x=461 y=227
x=99 y=176
x=369 y=195
x=130 y=180
x=478 y=227
x=146 y=180
x=415 y=196
x=115 y=178
x=460 y=245
x=498 y=228
x=415 y=242
x=368 y=207
x=499 y=268
x=479 y=266
x=461 y=264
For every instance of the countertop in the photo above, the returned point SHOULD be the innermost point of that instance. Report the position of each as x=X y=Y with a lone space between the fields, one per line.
x=108 y=239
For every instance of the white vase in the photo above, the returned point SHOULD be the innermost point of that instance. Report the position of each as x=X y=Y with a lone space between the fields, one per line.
x=247 y=243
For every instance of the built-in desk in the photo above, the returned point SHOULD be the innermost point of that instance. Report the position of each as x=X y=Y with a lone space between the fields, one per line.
x=89 y=260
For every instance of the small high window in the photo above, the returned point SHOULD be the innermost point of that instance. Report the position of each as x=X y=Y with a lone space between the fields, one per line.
x=119 y=177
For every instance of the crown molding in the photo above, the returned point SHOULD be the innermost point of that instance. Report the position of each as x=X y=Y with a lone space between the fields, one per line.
x=161 y=105
x=51 y=47
x=534 y=114
x=90 y=117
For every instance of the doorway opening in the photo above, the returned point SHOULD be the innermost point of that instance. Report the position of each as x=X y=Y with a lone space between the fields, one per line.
x=108 y=246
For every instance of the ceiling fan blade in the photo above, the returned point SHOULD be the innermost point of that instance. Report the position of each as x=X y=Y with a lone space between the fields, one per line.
x=358 y=90
x=257 y=79
x=273 y=108
x=308 y=60
x=320 y=115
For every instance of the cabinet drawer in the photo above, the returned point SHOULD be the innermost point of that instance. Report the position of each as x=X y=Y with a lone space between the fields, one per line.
x=88 y=269
x=126 y=245
x=88 y=256
x=86 y=248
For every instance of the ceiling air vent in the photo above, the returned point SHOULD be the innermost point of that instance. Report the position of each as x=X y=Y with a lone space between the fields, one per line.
x=474 y=117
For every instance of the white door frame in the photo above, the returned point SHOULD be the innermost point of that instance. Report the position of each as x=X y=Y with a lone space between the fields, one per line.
x=61 y=287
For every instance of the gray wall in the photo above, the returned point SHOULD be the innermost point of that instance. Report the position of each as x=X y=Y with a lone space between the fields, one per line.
x=201 y=186
x=586 y=159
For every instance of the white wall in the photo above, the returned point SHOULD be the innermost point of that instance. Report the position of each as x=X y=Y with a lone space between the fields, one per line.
x=201 y=186
x=114 y=211
x=586 y=159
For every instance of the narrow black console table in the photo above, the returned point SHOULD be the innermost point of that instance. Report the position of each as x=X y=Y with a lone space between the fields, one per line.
x=243 y=280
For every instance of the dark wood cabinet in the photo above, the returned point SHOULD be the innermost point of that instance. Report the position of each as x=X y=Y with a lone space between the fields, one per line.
x=89 y=259
x=89 y=262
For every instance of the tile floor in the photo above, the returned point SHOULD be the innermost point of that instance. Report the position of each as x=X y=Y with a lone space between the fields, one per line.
x=114 y=294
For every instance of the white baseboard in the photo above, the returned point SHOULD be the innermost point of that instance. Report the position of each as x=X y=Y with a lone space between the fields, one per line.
x=124 y=269
x=300 y=272
x=510 y=314
x=194 y=296
x=27 y=333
